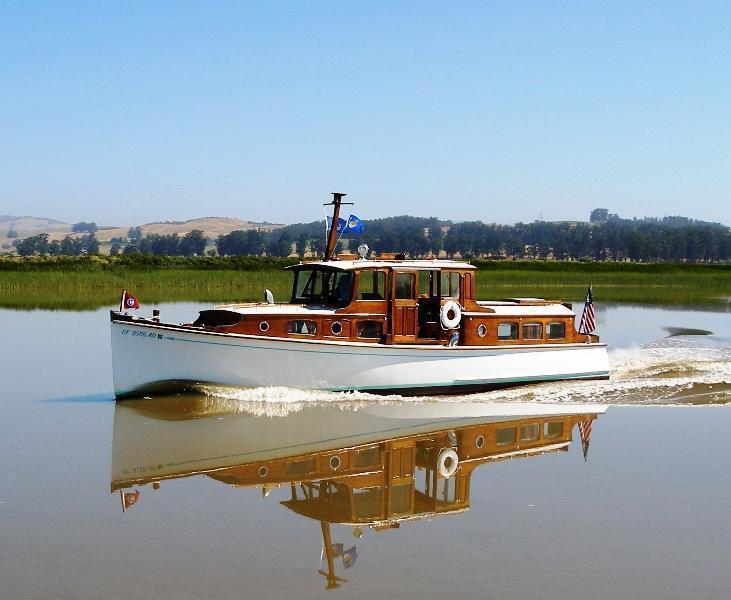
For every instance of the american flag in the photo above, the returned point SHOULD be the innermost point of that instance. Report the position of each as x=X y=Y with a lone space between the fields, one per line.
x=588 y=319
x=585 y=431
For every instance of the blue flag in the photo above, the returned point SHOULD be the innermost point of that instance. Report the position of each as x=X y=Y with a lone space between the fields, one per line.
x=355 y=225
x=349 y=557
x=342 y=224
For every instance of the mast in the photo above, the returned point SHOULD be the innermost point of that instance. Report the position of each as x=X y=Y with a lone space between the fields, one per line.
x=332 y=234
x=332 y=579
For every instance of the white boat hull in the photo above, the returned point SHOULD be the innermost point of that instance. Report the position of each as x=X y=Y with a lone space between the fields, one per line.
x=149 y=356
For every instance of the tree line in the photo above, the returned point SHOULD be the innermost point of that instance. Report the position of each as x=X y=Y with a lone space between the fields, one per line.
x=68 y=246
x=192 y=243
x=605 y=237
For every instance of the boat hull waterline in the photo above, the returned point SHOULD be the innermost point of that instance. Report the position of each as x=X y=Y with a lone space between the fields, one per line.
x=155 y=357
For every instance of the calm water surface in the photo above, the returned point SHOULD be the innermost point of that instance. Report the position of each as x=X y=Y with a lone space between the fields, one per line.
x=646 y=516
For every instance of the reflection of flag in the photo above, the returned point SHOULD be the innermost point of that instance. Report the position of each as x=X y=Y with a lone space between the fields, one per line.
x=342 y=223
x=129 y=301
x=128 y=499
x=355 y=225
x=349 y=557
x=588 y=320
x=585 y=431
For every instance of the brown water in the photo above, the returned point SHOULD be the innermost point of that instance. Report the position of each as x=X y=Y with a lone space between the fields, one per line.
x=646 y=516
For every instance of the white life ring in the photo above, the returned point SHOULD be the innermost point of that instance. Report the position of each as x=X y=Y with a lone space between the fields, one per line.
x=450 y=314
x=447 y=463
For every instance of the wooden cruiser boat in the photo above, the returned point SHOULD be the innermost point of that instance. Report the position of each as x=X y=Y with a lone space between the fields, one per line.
x=377 y=467
x=383 y=325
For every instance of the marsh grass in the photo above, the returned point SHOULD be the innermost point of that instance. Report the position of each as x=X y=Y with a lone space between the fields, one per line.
x=91 y=288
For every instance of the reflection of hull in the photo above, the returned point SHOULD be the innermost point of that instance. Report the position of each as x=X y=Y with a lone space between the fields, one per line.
x=148 y=357
x=149 y=448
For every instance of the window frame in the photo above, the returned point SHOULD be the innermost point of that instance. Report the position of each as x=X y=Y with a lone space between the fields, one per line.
x=381 y=274
x=514 y=326
x=309 y=323
x=548 y=326
x=531 y=324
x=512 y=442
x=412 y=277
x=527 y=427
x=547 y=424
x=359 y=325
x=447 y=294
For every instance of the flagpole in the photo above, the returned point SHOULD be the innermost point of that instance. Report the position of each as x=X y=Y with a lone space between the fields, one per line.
x=344 y=229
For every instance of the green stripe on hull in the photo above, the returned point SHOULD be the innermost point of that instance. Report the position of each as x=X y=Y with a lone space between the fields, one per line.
x=474 y=382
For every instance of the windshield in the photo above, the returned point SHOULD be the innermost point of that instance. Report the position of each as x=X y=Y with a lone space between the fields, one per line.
x=319 y=286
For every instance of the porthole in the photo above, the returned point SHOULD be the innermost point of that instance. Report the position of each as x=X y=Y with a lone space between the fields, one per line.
x=336 y=328
x=335 y=463
x=263 y=471
x=479 y=441
x=264 y=326
x=481 y=330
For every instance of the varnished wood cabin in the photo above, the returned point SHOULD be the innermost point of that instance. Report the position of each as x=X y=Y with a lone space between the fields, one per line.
x=391 y=300
x=395 y=301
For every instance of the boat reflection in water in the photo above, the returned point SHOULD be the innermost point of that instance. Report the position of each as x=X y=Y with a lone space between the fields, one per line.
x=366 y=466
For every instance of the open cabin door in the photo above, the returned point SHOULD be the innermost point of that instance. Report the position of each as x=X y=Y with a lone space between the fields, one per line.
x=404 y=304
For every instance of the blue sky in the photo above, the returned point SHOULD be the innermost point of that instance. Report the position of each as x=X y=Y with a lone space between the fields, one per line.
x=131 y=112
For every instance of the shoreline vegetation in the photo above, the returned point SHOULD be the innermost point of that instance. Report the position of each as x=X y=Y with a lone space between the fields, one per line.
x=92 y=281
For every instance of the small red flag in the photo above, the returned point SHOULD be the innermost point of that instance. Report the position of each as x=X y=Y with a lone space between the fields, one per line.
x=128 y=499
x=129 y=301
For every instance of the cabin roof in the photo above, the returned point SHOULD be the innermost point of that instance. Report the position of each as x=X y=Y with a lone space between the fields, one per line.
x=354 y=265
x=515 y=309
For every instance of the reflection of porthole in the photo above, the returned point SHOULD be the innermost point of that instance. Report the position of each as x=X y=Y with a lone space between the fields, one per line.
x=335 y=463
x=336 y=328
x=480 y=441
x=264 y=326
x=482 y=330
x=263 y=471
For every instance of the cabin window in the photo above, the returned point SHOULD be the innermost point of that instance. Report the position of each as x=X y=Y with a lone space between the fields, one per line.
x=450 y=284
x=404 y=286
x=400 y=498
x=552 y=430
x=367 y=502
x=505 y=436
x=482 y=330
x=428 y=284
x=371 y=285
x=336 y=328
x=532 y=331
x=530 y=432
x=367 y=457
x=301 y=467
x=307 y=491
x=320 y=286
x=369 y=329
x=302 y=327
x=507 y=331
x=556 y=331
